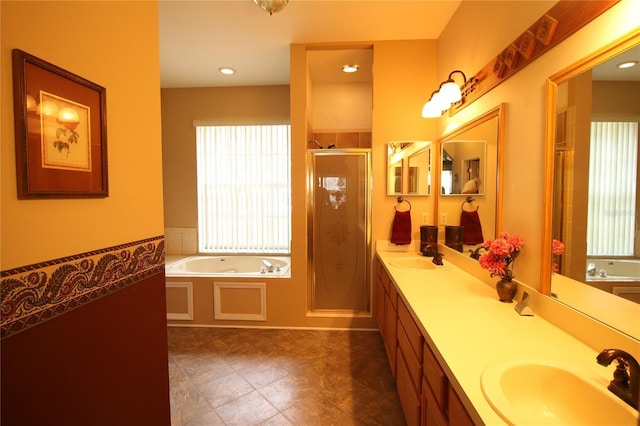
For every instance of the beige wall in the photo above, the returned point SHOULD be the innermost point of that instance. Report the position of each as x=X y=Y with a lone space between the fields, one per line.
x=474 y=36
x=406 y=72
x=39 y=230
x=222 y=105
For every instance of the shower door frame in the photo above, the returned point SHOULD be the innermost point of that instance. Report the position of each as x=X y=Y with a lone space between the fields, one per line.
x=350 y=313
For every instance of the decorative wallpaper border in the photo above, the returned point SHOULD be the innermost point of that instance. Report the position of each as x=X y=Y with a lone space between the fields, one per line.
x=32 y=294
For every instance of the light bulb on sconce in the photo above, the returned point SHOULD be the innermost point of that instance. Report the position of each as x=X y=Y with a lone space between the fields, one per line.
x=450 y=89
x=448 y=94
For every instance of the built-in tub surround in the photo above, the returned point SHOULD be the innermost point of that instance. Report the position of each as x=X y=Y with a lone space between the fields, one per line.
x=35 y=293
x=222 y=290
x=232 y=266
x=457 y=311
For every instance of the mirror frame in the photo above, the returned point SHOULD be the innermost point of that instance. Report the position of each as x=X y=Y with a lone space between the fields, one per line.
x=498 y=112
x=607 y=52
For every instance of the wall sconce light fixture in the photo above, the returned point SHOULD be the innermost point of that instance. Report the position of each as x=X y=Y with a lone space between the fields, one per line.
x=271 y=6
x=447 y=95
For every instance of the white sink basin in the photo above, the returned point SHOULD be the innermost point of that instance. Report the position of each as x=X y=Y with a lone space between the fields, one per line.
x=527 y=392
x=417 y=263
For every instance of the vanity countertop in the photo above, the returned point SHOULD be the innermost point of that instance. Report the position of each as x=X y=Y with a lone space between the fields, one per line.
x=468 y=329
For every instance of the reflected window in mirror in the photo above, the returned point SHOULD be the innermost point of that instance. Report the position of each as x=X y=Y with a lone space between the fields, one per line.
x=591 y=186
x=409 y=168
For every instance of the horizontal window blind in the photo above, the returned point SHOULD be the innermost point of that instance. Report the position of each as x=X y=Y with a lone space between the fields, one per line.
x=612 y=189
x=244 y=189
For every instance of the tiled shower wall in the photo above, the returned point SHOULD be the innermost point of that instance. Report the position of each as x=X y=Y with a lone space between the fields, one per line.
x=341 y=140
x=181 y=240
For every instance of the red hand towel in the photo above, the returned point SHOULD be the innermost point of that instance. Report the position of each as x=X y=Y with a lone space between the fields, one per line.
x=470 y=221
x=401 y=229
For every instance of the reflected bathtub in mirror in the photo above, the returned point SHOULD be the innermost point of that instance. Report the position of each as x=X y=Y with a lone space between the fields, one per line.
x=409 y=168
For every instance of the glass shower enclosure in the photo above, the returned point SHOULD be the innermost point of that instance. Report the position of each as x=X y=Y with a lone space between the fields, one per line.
x=339 y=237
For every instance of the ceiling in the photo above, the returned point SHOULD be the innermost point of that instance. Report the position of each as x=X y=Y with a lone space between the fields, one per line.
x=198 y=37
x=609 y=71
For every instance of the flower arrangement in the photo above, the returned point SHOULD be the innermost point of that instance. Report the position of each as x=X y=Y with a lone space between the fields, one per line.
x=556 y=249
x=501 y=254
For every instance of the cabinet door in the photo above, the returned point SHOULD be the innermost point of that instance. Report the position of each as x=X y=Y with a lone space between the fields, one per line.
x=380 y=307
x=435 y=377
x=414 y=335
x=413 y=364
x=391 y=334
x=458 y=415
x=431 y=412
x=409 y=397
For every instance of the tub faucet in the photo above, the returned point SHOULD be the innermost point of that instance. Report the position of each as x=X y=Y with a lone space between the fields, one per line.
x=626 y=376
x=591 y=269
x=268 y=265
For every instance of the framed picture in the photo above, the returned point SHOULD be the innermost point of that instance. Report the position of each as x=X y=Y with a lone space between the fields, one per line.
x=61 y=133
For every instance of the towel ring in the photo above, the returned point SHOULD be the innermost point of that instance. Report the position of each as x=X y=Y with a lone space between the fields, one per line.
x=469 y=200
x=400 y=200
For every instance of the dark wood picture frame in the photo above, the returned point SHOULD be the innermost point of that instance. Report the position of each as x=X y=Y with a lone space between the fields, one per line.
x=60 y=131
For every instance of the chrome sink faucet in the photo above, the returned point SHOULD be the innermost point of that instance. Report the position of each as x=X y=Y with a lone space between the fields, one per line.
x=625 y=383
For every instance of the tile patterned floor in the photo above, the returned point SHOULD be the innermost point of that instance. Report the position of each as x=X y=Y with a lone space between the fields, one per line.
x=222 y=376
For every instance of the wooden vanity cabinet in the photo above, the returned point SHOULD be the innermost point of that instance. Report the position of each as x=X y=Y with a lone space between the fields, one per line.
x=387 y=313
x=423 y=388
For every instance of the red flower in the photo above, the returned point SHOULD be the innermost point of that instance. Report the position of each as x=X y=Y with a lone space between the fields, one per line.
x=500 y=254
x=557 y=249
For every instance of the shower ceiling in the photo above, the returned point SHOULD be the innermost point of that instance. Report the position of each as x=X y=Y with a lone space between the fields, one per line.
x=198 y=37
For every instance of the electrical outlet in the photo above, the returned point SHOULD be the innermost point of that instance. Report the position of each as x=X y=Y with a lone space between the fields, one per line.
x=443 y=218
x=424 y=218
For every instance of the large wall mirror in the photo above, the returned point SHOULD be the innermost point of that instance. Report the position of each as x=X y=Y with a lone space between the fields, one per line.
x=591 y=186
x=473 y=150
x=409 y=168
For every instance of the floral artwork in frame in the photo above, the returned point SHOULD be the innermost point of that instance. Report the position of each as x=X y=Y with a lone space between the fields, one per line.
x=60 y=128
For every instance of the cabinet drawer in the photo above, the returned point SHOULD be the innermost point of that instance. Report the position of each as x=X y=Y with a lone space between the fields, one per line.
x=414 y=366
x=409 y=398
x=435 y=377
x=432 y=414
x=384 y=278
x=393 y=295
x=413 y=333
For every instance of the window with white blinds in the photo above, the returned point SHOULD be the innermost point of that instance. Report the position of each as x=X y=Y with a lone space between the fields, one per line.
x=244 y=189
x=611 y=221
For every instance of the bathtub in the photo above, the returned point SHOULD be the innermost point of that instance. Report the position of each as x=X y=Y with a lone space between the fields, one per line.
x=620 y=270
x=227 y=266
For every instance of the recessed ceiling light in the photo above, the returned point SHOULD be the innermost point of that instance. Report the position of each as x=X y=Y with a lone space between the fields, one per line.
x=627 y=64
x=350 y=68
x=226 y=70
